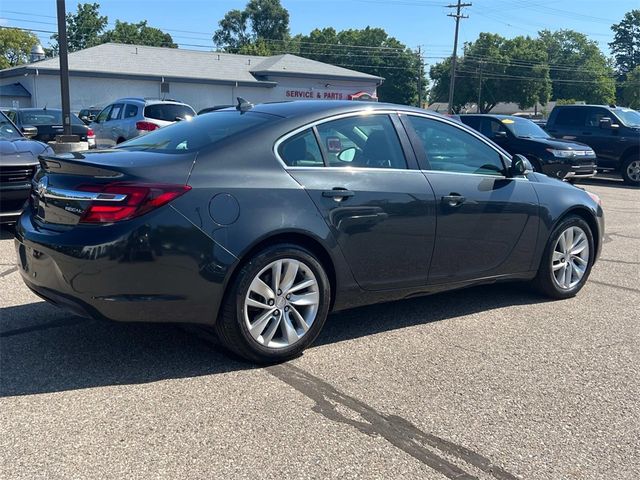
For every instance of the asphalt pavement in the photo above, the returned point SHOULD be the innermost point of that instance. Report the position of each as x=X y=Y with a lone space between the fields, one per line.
x=492 y=382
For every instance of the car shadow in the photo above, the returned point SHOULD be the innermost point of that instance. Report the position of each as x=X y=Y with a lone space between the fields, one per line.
x=6 y=232
x=44 y=349
x=606 y=181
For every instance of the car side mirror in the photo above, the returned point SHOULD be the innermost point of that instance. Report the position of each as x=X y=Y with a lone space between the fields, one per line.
x=520 y=165
x=607 y=124
x=29 y=131
x=347 y=155
x=500 y=134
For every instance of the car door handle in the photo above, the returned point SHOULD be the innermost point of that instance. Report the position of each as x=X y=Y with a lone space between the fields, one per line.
x=453 y=200
x=338 y=194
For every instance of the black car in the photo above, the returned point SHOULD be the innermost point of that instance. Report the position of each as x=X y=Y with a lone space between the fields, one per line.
x=260 y=221
x=613 y=132
x=48 y=122
x=557 y=158
x=18 y=164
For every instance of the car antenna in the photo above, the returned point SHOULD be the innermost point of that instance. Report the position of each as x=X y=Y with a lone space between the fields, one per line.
x=243 y=105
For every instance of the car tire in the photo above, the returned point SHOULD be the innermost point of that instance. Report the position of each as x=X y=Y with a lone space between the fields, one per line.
x=630 y=170
x=559 y=274
x=291 y=321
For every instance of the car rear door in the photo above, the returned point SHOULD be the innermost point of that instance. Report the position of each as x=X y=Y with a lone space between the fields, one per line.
x=362 y=175
x=487 y=222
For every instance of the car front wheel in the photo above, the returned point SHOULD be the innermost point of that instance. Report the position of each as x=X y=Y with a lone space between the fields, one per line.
x=276 y=305
x=567 y=261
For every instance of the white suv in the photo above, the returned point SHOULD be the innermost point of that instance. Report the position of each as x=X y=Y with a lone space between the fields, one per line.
x=127 y=118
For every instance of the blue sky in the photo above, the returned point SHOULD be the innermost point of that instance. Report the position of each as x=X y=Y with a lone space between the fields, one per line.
x=413 y=22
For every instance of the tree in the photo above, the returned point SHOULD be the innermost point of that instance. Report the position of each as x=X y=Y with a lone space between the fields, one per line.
x=15 y=46
x=265 y=21
x=494 y=69
x=578 y=68
x=84 y=28
x=630 y=94
x=626 y=42
x=138 y=34
x=369 y=50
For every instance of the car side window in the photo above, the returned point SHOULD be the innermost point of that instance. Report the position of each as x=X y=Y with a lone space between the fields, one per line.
x=366 y=141
x=301 y=150
x=103 y=115
x=571 y=117
x=116 y=111
x=451 y=149
x=130 y=111
x=595 y=115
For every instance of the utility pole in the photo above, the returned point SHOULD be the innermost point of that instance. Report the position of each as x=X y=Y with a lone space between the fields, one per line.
x=64 y=66
x=419 y=76
x=480 y=86
x=457 y=16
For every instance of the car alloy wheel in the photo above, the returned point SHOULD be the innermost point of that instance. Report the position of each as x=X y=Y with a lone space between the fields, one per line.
x=281 y=303
x=633 y=171
x=570 y=258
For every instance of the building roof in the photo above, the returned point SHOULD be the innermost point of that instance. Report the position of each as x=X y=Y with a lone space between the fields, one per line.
x=112 y=59
x=14 y=90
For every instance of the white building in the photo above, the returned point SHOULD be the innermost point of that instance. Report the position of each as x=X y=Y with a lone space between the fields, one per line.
x=101 y=74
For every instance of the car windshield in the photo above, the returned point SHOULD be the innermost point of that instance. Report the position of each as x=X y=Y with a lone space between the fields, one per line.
x=630 y=118
x=521 y=127
x=7 y=129
x=169 y=112
x=45 y=117
x=198 y=132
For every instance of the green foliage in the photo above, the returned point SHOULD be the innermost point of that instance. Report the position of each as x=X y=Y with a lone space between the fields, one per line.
x=626 y=42
x=138 y=34
x=15 y=46
x=579 y=69
x=84 y=27
x=265 y=21
x=630 y=95
x=566 y=101
x=368 y=50
x=494 y=69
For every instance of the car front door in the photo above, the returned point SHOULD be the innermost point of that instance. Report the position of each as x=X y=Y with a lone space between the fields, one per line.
x=99 y=128
x=602 y=140
x=487 y=222
x=364 y=180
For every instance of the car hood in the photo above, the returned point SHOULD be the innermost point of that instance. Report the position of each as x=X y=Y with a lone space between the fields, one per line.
x=21 y=151
x=557 y=143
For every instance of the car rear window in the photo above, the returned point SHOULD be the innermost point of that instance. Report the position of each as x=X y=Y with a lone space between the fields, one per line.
x=169 y=112
x=46 y=117
x=198 y=132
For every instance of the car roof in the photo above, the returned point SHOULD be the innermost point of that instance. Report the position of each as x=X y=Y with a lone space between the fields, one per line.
x=148 y=101
x=300 y=108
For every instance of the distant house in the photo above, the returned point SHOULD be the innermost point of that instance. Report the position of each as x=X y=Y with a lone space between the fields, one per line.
x=101 y=74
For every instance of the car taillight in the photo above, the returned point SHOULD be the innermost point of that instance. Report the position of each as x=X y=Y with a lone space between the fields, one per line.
x=140 y=199
x=90 y=134
x=146 y=126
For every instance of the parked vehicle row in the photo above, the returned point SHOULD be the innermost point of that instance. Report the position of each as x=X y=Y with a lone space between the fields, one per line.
x=259 y=221
x=18 y=164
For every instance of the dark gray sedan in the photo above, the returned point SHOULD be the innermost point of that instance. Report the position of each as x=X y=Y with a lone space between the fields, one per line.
x=259 y=221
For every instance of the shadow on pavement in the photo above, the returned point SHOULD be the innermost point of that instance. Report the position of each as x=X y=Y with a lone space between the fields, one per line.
x=44 y=349
x=6 y=232
x=606 y=181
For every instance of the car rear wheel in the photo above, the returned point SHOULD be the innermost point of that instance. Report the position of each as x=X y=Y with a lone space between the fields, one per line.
x=567 y=261
x=276 y=305
x=631 y=171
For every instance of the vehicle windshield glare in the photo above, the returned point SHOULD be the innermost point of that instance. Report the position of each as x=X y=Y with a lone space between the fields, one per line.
x=7 y=130
x=521 y=127
x=197 y=133
x=630 y=118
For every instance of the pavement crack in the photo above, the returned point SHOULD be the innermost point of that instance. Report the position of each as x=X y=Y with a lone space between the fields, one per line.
x=8 y=272
x=624 y=262
x=396 y=430
x=613 y=285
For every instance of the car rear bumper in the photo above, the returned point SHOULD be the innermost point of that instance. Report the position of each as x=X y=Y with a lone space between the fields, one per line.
x=156 y=268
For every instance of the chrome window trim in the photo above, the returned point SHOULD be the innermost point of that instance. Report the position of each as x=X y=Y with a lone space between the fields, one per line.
x=63 y=194
x=340 y=116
